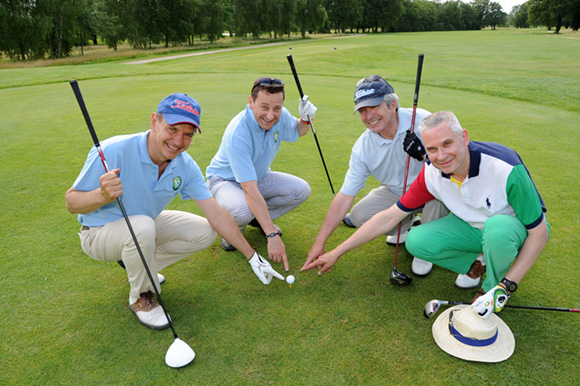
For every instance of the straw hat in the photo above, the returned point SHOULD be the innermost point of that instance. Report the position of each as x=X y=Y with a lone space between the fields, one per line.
x=460 y=332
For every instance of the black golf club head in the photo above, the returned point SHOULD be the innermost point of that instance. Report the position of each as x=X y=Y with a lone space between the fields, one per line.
x=400 y=278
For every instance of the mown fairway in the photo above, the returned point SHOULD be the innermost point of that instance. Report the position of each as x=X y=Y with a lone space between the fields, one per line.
x=65 y=318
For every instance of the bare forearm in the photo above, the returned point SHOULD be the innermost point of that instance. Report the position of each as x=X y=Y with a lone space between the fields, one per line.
x=84 y=202
x=334 y=216
x=225 y=225
x=378 y=225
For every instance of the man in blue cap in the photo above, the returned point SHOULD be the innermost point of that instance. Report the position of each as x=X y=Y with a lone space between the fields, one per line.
x=381 y=151
x=149 y=169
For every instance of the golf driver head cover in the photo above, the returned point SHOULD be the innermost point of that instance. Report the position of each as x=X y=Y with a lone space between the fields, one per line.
x=306 y=109
x=493 y=301
x=263 y=269
x=413 y=146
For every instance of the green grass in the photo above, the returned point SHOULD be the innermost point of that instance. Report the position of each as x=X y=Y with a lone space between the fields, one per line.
x=65 y=318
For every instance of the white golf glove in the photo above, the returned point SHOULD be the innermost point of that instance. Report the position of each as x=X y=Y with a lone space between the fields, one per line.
x=492 y=301
x=263 y=269
x=306 y=109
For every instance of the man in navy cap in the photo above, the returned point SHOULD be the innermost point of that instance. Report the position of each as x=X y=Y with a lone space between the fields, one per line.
x=381 y=152
x=149 y=169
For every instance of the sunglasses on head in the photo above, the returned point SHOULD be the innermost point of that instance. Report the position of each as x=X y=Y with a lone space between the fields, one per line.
x=269 y=82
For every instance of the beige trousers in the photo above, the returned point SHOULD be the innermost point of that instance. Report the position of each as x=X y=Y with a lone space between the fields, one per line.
x=164 y=240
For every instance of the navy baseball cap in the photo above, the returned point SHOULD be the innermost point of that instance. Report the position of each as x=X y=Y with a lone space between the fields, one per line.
x=370 y=91
x=180 y=108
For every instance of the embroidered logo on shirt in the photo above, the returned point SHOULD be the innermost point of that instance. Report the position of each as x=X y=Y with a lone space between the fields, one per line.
x=276 y=136
x=176 y=183
x=487 y=203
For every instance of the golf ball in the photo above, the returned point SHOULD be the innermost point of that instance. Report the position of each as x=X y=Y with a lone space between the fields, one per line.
x=290 y=279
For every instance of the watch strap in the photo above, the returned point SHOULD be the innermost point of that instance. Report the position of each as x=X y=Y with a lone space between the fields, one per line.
x=511 y=286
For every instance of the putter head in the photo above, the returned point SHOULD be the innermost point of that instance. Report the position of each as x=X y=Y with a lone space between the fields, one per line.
x=431 y=308
x=400 y=278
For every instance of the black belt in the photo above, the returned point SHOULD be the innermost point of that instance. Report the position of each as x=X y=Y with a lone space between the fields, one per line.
x=85 y=228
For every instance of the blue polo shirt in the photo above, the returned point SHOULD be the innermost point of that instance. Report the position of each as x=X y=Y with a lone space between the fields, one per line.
x=143 y=192
x=247 y=151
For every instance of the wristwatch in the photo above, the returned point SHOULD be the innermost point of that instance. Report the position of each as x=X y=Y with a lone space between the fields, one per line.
x=274 y=234
x=511 y=286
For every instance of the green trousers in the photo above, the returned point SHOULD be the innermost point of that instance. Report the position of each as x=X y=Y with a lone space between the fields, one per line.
x=454 y=244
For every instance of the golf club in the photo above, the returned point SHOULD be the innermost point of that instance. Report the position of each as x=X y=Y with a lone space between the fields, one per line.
x=396 y=276
x=433 y=306
x=293 y=68
x=179 y=353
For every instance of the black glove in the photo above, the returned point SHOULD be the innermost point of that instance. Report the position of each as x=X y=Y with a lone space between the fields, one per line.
x=413 y=146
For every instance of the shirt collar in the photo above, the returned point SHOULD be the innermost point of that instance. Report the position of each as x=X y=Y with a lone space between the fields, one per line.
x=474 y=162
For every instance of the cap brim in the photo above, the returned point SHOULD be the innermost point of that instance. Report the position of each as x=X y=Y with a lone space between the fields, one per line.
x=175 y=119
x=371 y=102
x=499 y=351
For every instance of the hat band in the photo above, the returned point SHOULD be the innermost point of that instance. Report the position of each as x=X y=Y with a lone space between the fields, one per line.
x=470 y=341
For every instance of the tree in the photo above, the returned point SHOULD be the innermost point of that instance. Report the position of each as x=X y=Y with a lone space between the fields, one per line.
x=428 y=15
x=450 y=16
x=482 y=9
x=409 y=19
x=495 y=16
x=550 y=13
x=519 y=16
x=469 y=20
x=310 y=16
x=19 y=31
x=344 y=13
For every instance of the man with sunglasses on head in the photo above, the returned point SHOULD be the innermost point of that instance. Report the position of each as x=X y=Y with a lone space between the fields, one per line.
x=239 y=175
x=381 y=151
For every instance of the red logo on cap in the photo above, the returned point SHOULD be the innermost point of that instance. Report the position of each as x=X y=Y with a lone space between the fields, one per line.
x=185 y=106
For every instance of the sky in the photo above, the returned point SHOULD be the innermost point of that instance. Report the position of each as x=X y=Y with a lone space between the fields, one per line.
x=507 y=5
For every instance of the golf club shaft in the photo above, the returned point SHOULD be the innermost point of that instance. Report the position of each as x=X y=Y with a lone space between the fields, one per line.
x=77 y=91
x=293 y=68
x=415 y=101
x=521 y=307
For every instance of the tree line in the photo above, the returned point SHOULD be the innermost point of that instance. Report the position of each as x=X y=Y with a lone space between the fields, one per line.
x=36 y=29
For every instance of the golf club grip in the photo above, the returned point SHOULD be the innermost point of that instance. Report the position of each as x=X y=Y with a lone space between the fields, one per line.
x=418 y=80
x=293 y=68
x=76 y=89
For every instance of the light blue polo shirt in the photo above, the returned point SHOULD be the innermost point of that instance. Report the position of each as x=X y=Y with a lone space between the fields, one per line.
x=247 y=151
x=143 y=192
x=384 y=159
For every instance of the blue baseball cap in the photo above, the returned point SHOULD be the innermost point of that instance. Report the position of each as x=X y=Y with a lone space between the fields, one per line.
x=370 y=91
x=180 y=108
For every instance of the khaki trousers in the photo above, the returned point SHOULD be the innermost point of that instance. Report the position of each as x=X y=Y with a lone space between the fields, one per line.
x=164 y=240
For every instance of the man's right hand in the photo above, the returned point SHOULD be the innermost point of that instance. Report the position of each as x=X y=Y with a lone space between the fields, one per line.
x=111 y=186
x=314 y=253
x=277 y=251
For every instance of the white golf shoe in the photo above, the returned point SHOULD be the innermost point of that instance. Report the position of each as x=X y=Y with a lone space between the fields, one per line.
x=472 y=278
x=392 y=240
x=421 y=267
x=149 y=312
